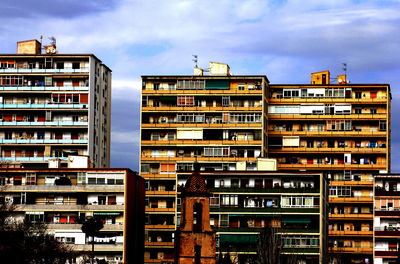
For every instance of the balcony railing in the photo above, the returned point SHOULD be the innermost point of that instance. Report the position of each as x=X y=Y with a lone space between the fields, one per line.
x=46 y=123
x=69 y=207
x=44 y=141
x=63 y=188
x=44 y=88
x=31 y=159
x=50 y=106
x=69 y=226
x=66 y=70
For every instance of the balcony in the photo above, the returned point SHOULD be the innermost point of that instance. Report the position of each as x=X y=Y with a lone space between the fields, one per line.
x=265 y=190
x=159 y=244
x=98 y=247
x=269 y=210
x=383 y=116
x=202 y=92
x=63 y=188
x=385 y=253
x=351 y=199
x=160 y=227
x=379 y=166
x=356 y=250
x=44 y=88
x=41 y=106
x=387 y=231
x=161 y=193
x=351 y=183
x=350 y=233
x=383 y=192
x=68 y=207
x=203 y=159
x=325 y=133
x=46 y=123
x=328 y=100
x=351 y=216
x=202 y=125
x=327 y=150
x=60 y=226
x=201 y=142
x=201 y=109
x=160 y=210
x=44 y=141
x=158 y=176
x=66 y=70
x=31 y=159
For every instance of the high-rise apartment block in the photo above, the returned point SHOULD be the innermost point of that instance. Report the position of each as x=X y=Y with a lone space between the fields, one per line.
x=52 y=106
x=64 y=198
x=234 y=123
x=342 y=130
x=386 y=218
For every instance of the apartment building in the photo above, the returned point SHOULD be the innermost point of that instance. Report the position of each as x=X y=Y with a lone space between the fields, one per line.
x=245 y=203
x=386 y=218
x=228 y=123
x=215 y=119
x=53 y=105
x=63 y=198
x=342 y=130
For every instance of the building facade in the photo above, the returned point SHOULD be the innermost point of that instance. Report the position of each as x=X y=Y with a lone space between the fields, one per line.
x=216 y=120
x=245 y=203
x=342 y=130
x=228 y=123
x=63 y=198
x=386 y=218
x=53 y=105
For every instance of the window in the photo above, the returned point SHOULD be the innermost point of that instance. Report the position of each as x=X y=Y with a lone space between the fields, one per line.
x=357 y=110
x=190 y=118
x=226 y=100
x=382 y=125
x=216 y=152
x=30 y=179
x=185 y=100
x=191 y=85
x=76 y=65
x=299 y=201
x=229 y=200
x=339 y=125
x=60 y=65
x=373 y=111
x=358 y=95
x=224 y=220
x=340 y=191
x=290 y=93
x=241 y=87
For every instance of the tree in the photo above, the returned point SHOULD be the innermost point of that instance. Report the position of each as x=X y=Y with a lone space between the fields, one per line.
x=22 y=241
x=91 y=227
x=269 y=247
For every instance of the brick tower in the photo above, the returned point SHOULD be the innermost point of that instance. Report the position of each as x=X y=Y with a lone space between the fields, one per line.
x=195 y=237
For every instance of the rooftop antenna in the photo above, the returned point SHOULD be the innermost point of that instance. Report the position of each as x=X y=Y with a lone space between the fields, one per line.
x=53 y=40
x=41 y=39
x=345 y=68
x=195 y=60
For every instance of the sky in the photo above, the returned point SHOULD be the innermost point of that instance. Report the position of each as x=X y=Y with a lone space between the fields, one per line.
x=283 y=39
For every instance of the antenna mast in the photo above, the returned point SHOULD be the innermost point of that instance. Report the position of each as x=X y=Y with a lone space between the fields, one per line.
x=195 y=60
x=345 y=68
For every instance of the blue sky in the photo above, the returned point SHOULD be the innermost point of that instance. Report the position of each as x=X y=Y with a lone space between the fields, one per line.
x=285 y=40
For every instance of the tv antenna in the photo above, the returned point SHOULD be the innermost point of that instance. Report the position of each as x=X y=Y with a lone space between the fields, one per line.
x=195 y=60
x=344 y=67
x=53 y=40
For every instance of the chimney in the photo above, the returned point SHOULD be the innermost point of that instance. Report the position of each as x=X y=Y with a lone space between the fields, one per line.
x=217 y=68
x=33 y=47
x=198 y=71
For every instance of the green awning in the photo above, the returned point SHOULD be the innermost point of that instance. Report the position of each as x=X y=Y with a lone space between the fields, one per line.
x=238 y=239
x=167 y=98
x=106 y=213
x=298 y=220
x=254 y=215
x=217 y=85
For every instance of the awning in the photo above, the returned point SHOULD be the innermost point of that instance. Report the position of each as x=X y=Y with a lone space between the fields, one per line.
x=167 y=98
x=238 y=239
x=106 y=213
x=254 y=215
x=217 y=85
x=298 y=220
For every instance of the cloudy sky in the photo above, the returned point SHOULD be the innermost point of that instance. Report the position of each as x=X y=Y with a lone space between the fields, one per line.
x=285 y=40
